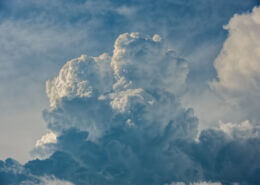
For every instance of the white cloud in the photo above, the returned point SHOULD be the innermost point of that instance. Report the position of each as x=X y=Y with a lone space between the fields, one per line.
x=139 y=63
x=38 y=36
x=48 y=180
x=153 y=145
x=122 y=100
x=50 y=137
x=238 y=64
x=234 y=95
x=243 y=130
x=131 y=130
x=144 y=62
x=81 y=77
x=54 y=181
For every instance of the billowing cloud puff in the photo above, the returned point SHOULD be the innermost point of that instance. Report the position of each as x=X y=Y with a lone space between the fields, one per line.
x=81 y=77
x=47 y=138
x=135 y=130
x=125 y=125
x=68 y=28
x=117 y=131
x=238 y=64
x=233 y=95
x=136 y=155
x=53 y=181
x=240 y=130
x=11 y=172
x=138 y=64
x=138 y=61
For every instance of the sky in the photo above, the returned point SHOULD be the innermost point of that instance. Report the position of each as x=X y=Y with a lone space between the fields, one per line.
x=129 y=92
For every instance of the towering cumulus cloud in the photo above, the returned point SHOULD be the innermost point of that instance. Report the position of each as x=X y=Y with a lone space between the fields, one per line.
x=238 y=65
x=117 y=120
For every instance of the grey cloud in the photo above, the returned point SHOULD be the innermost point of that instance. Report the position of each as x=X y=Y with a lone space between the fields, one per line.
x=11 y=172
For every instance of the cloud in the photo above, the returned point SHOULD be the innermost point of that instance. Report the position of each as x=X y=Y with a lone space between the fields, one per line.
x=238 y=66
x=134 y=155
x=47 y=138
x=117 y=118
x=240 y=130
x=132 y=129
x=108 y=133
x=81 y=77
x=37 y=37
x=113 y=120
x=200 y=183
x=137 y=61
x=11 y=172
x=232 y=95
x=136 y=64
x=53 y=181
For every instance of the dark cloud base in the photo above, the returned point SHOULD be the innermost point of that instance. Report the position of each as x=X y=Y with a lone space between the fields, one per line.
x=115 y=161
